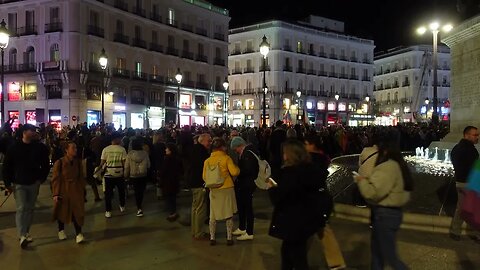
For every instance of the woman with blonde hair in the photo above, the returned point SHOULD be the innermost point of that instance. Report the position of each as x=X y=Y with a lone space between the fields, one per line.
x=296 y=210
x=223 y=203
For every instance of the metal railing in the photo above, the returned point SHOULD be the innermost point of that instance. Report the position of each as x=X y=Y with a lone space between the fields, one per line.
x=53 y=27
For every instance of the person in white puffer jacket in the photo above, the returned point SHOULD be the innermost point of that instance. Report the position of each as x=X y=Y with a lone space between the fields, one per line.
x=136 y=169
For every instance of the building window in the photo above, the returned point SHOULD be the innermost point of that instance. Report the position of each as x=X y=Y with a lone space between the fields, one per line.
x=12 y=22
x=31 y=91
x=12 y=59
x=29 y=19
x=299 y=47
x=55 y=92
x=54 y=15
x=154 y=37
x=171 y=16
x=119 y=27
x=171 y=41
x=138 y=69
x=138 y=32
x=30 y=56
x=121 y=63
x=54 y=53
x=94 y=18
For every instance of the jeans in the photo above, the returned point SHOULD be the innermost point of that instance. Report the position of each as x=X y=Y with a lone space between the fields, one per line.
x=294 y=255
x=457 y=221
x=386 y=223
x=245 y=210
x=139 y=185
x=25 y=198
x=110 y=184
x=171 y=202
x=199 y=211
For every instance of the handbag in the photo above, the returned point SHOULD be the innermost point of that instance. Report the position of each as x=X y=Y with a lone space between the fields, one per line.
x=469 y=209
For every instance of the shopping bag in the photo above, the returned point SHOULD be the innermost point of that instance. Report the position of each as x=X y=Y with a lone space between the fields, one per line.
x=473 y=181
x=470 y=212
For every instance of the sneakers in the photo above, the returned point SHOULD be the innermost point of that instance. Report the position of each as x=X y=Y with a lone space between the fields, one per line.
x=239 y=232
x=108 y=214
x=139 y=213
x=23 y=242
x=62 y=235
x=80 y=238
x=29 y=238
x=245 y=237
x=122 y=209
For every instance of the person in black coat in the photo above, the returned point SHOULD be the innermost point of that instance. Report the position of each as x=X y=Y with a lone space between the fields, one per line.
x=295 y=218
x=170 y=175
x=278 y=136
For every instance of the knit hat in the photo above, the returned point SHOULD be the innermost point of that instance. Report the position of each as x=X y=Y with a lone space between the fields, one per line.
x=236 y=142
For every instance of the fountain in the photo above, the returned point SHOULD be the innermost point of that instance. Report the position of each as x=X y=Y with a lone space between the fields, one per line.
x=435 y=156
x=427 y=151
x=447 y=157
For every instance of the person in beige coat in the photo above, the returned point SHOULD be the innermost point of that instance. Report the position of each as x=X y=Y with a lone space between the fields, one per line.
x=68 y=188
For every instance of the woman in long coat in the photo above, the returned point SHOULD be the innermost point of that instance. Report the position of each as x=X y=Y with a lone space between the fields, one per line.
x=170 y=174
x=68 y=186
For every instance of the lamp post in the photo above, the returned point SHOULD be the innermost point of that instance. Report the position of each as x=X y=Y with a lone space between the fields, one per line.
x=264 y=49
x=225 y=101
x=427 y=101
x=435 y=29
x=4 y=38
x=337 y=96
x=178 y=77
x=299 y=94
x=103 y=61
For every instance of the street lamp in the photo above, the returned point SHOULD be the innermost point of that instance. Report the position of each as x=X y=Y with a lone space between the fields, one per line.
x=103 y=61
x=4 y=38
x=337 y=96
x=426 y=107
x=264 y=49
x=435 y=27
x=178 y=77
x=367 y=98
x=225 y=102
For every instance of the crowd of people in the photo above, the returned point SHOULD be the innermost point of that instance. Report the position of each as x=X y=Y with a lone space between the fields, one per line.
x=174 y=158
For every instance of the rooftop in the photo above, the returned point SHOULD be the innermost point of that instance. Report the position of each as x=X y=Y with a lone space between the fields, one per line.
x=403 y=49
x=207 y=5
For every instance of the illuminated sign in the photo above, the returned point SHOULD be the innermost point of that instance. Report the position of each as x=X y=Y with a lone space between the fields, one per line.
x=321 y=105
x=342 y=107
x=14 y=91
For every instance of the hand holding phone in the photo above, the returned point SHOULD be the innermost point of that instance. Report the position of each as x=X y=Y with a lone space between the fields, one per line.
x=355 y=173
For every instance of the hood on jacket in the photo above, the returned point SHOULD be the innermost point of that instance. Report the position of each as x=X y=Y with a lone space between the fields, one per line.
x=137 y=155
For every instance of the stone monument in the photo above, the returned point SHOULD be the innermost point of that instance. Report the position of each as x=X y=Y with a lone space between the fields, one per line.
x=464 y=43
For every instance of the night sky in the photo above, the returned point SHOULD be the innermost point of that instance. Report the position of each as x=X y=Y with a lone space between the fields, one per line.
x=390 y=23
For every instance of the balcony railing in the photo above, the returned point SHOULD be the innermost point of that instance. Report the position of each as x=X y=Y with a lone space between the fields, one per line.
x=119 y=99
x=27 y=30
x=368 y=78
x=301 y=70
x=353 y=77
x=322 y=54
x=404 y=84
x=236 y=92
x=137 y=100
x=249 y=70
x=122 y=73
x=236 y=71
x=136 y=42
x=203 y=85
x=156 y=78
x=323 y=73
x=120 y=4
x=187 y=55
x=219 y=36
x=333 y=74
x=188 y=83
x=367 y=61
x=201 y=31
x=119 y=37
x=139 y=75
x=53 y=27
x=288 y=90
x=264 y=68
x=201 y=58
x=219 y=62
x=187 y=27
x=91 y=95
x=236 y=52
x=353 y=59
x=249 y=91
x=139 y=11
x=94 y=30
x=155 y=17
x=301 y=51
x=311 y=52
x=171 y=22
x=29 y=67
x=333 y=56
x=172 y=51
x=249 y=50
x=343 y=58
x=287 y=48
x=156 y=47
x=343 y=76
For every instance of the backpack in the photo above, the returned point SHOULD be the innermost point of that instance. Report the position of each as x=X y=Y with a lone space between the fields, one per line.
x=264 y=172
x=213 y=176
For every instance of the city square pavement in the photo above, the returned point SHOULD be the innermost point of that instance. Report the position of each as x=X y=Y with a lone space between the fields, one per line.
x=151 y=242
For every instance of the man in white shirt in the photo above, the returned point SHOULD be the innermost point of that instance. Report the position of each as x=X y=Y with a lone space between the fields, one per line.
x=113 y=158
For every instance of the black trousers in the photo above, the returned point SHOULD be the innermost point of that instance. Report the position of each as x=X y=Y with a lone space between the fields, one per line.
x=110 y=184
x=294 y=255
x=171 y=203
x=245 y=210
x=78 y=228
x=139 y=185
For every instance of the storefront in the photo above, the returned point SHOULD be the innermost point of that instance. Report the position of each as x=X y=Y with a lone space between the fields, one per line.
x=238 y=120
x=137 y=120
x=31 y=117
x=14 y=115
x=156 y=117
x=55 y=118
x=119 y=120
x=359 y=120
x=93 y=117
x=249 y=120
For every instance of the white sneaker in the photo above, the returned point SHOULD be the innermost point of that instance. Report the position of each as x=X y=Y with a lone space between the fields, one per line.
x=239 y=232
x=62 y=235
x=80 y=238
x=29 y=238
x=108 y=214
x=245 y=237
x=139 y=213
x=122 y=209
x=23 y=242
